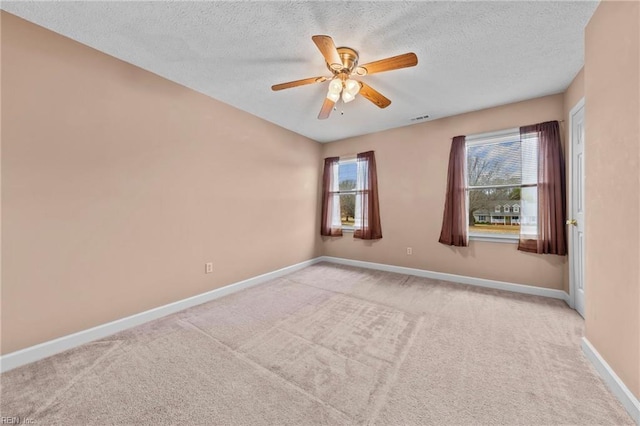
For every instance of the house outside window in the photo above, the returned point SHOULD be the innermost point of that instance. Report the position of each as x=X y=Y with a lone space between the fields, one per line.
x=501 y=185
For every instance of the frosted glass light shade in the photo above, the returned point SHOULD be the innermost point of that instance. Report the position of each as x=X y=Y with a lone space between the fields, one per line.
x=333 y=96
x=347 y=97
x=352 y=86
x=335 y=86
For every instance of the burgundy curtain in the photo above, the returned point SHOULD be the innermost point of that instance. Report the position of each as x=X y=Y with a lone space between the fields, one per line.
x=330 y=225
x=454 y=220
x=551 y=233
x=367 y=206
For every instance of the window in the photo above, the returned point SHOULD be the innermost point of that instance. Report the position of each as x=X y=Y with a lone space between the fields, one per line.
x=501 y=176
x=350 y=197
x=347 y=184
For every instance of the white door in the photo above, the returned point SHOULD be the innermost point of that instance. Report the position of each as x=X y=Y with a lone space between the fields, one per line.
x=576 y=218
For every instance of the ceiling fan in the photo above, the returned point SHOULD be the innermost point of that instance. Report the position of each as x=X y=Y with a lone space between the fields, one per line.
x=343 y=63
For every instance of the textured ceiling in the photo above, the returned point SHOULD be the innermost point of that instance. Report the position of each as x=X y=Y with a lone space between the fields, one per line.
x=472 y=55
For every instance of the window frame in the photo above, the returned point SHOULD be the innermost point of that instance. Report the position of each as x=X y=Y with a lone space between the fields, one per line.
x=347 y=160
x=491 y=138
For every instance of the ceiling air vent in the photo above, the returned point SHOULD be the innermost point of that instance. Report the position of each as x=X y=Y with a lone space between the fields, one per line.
x=422 y=117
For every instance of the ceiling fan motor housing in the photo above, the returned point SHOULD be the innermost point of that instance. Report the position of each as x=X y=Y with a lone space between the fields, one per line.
x=349 y=58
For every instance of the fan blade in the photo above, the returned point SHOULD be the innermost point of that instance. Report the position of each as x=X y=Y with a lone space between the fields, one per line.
x=328 y=50
x=327 y=107
x=373 y=95
x=388 y=64
x=296 y=83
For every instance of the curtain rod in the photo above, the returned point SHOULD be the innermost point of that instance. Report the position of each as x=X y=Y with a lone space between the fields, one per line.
x=497 y=133
x=478 y=135
x=349 y=157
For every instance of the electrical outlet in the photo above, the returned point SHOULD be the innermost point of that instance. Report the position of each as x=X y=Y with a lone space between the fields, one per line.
x=208 y=268
x=409 y=250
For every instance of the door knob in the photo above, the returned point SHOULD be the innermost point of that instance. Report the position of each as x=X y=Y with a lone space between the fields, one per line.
x=572 y=222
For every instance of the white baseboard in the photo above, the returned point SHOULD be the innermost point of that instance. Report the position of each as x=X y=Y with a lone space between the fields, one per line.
x=52 y=347
x=617 y=386
x=480 y=282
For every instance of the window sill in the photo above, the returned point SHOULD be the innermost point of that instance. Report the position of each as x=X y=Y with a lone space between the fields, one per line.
x=348 y=229
x=509 y=239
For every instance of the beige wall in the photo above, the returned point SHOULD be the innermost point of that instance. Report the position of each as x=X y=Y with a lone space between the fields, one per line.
x=412 y=171
x=118 y=186
x=612 y=162
x=573 y=95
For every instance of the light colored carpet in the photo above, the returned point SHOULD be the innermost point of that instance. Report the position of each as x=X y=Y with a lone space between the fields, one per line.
x=330 y=345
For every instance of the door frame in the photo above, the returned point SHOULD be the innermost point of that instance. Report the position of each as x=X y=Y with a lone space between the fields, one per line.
x=571 y=260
